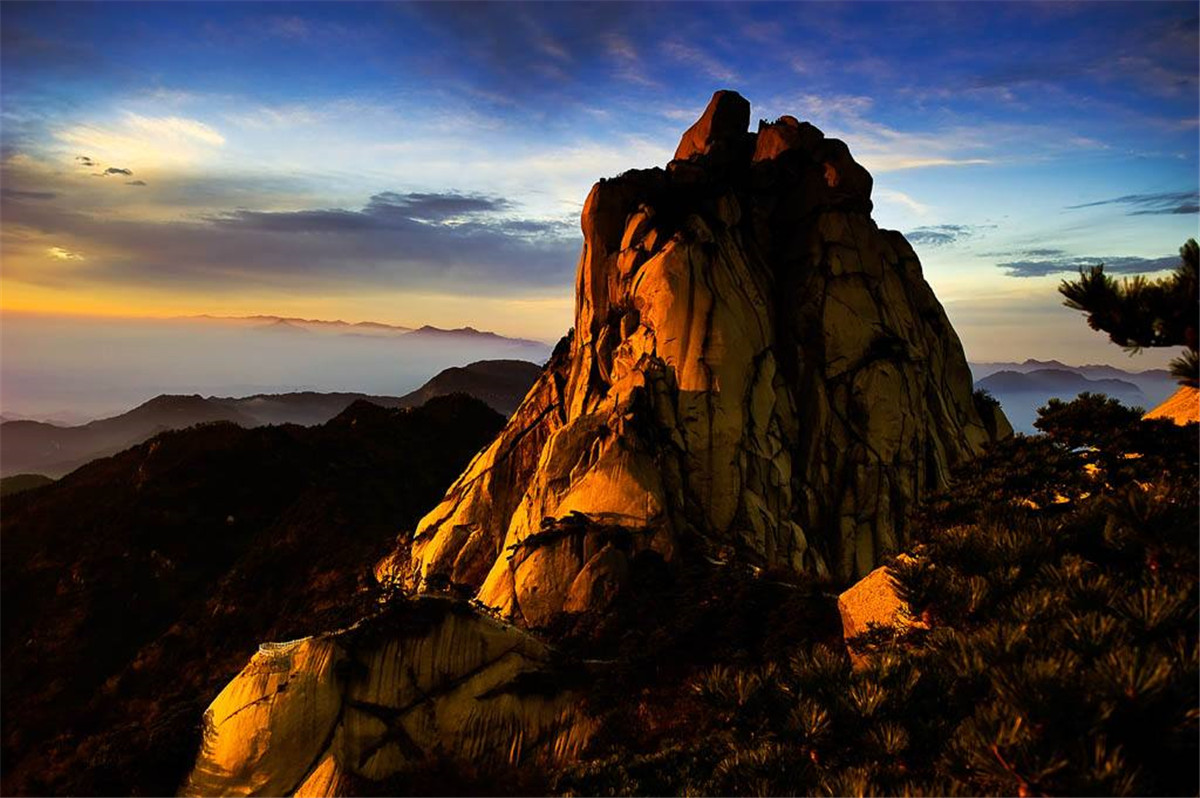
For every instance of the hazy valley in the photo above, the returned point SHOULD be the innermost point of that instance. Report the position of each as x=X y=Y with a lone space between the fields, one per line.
x=93 y=368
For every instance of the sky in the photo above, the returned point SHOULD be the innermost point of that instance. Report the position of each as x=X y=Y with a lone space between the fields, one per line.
x=427 y=163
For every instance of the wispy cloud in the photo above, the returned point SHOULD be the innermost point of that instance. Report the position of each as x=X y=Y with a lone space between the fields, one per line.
x=628 y=63
x=145 y=141
x=439 y=207
x=396 y=240
x=688 y=54
x=1158 y=57
x=900 y=198
x=286 y=116
x=59 y=253
x=13 y=193
x=896 y=162
x=291 y=27
x=826 y=106
x=175 y=128
x=1167 y=202
x=879 y=147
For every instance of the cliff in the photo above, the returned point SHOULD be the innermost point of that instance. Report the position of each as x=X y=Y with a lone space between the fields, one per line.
x=756 y=370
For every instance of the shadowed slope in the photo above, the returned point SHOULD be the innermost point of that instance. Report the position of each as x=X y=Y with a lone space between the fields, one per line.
x=135 y=587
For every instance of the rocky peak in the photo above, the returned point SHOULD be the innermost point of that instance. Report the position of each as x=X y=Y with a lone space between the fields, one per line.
x=722 y=125
x=756 y=369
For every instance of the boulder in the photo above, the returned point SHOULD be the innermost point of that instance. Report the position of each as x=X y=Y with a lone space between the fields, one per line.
x=429 y=678
x=872 y=600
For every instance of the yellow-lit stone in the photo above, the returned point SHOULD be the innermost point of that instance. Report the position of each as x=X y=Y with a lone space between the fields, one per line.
x=739 y=357
x=1182 y=407
x=377 y=699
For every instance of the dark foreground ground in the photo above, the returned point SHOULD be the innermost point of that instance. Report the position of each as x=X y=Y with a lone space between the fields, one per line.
x=1055 y=589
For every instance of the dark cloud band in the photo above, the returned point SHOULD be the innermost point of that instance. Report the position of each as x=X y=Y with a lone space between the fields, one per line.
x=396 y=240
x=1061 y=263
x=1167 y=202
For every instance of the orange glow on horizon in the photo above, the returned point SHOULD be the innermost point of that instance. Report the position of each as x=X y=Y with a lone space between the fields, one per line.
x=537 y=318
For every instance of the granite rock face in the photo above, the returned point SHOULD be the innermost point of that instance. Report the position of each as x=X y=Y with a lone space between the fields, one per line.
x=312 y=716
x=756 y=370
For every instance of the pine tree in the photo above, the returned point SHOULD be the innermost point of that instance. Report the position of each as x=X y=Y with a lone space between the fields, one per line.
x=1137 y=313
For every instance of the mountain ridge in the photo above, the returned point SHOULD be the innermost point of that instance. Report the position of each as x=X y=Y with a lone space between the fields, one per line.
x=53 y=450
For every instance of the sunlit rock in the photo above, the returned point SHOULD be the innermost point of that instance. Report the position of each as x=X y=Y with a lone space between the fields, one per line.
x=1182 y=407
x=431 y=677
x=722 y=125
x=872 y=600
x=875 y=601
x=754 y=364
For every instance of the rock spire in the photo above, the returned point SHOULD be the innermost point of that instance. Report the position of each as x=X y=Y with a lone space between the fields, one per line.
x=756 y=370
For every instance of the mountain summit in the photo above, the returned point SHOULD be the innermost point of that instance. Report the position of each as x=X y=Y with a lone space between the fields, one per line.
x=756 y=369
x=757 y=373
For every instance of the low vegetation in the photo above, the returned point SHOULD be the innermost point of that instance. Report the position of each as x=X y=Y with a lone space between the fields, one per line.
x=1056 y=651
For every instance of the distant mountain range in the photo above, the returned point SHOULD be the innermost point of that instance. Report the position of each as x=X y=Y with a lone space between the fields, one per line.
x=336 y=326
x=52 y=450
x=369 y=328
x=1022 y=388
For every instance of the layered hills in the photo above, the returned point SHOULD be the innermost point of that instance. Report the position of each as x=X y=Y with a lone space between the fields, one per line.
x=1021 y=388
x=372 y=328
x=1022 y=393
x=53 y=450
x=100 y=367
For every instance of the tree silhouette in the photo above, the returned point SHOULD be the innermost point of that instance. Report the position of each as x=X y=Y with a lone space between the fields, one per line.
x=1137 y=313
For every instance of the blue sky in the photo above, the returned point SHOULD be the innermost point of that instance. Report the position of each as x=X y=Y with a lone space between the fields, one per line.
x=426 y=163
